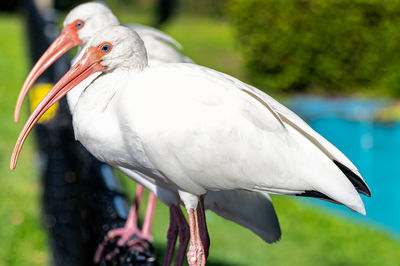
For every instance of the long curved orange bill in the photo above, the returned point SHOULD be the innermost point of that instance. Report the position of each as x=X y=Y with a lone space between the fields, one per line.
x=88 y=65
x=67 y=40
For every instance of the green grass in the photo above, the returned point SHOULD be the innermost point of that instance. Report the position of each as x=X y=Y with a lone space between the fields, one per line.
x=310 y=236
x=22 y=240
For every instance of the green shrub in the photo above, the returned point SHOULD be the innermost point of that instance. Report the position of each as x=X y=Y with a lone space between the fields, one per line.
x=310 y=45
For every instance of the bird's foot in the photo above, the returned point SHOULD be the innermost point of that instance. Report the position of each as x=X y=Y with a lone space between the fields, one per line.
x=139 y=253
x=196 y=255
x=127 y=235
x=122 y=239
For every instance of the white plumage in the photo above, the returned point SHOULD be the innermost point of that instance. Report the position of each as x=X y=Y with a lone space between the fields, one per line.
x=192 y=130
x=174 y=113
x=161 y=49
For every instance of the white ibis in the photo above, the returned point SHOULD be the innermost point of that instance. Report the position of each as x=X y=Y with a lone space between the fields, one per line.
x=81 y=23
x=191 y=130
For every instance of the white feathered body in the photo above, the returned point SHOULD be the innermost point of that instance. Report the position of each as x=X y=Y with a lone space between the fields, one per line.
x=200 y=130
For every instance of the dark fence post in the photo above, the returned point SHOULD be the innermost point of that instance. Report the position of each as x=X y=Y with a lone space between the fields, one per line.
x=81 y=196
x=164 y=11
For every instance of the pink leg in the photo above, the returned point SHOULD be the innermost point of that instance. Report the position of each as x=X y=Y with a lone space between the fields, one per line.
x=132 y=216
x=131 y=227
x=198 y=250
x=148 y=220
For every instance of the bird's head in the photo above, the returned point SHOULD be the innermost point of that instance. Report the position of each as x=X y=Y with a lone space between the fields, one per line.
x=112 y=48
x=80 y=25
x=118 y=47
x=86 y=19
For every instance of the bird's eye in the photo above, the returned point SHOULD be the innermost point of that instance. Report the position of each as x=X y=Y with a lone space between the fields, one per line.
x=105 y=48
x=79 y=24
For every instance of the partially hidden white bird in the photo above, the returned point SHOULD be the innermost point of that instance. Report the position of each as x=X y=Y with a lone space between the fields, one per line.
x=192 y=130
x=235 y=205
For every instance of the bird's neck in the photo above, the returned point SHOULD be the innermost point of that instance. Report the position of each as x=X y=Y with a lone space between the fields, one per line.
x=94 y=111
x=97 y=97
x=75 y=93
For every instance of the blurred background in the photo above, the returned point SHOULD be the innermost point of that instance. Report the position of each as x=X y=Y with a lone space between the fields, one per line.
x=335 y=63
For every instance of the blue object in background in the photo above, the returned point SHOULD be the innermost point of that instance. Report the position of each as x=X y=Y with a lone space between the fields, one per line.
x=372 y=146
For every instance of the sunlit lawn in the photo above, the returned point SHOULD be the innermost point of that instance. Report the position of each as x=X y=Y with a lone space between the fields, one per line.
x=310 y=236
x=22 y=241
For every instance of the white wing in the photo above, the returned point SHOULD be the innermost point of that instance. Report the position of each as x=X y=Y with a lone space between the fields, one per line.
x=285 y=114
x=248 y=209
x=282 y=113
x=155 y=33
x=212 y=135
x=161 y=48
x=289 y=117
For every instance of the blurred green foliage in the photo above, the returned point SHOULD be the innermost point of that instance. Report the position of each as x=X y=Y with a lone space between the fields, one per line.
x=316 y=45
x=213 y=8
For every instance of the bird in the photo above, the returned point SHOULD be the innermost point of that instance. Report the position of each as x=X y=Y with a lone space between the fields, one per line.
x=82 y=22
x=192 y=130
x=79 y=25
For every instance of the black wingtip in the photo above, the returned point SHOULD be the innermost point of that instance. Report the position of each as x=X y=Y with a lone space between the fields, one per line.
x=316 y=194
x=357 y=182
x=321 y=196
